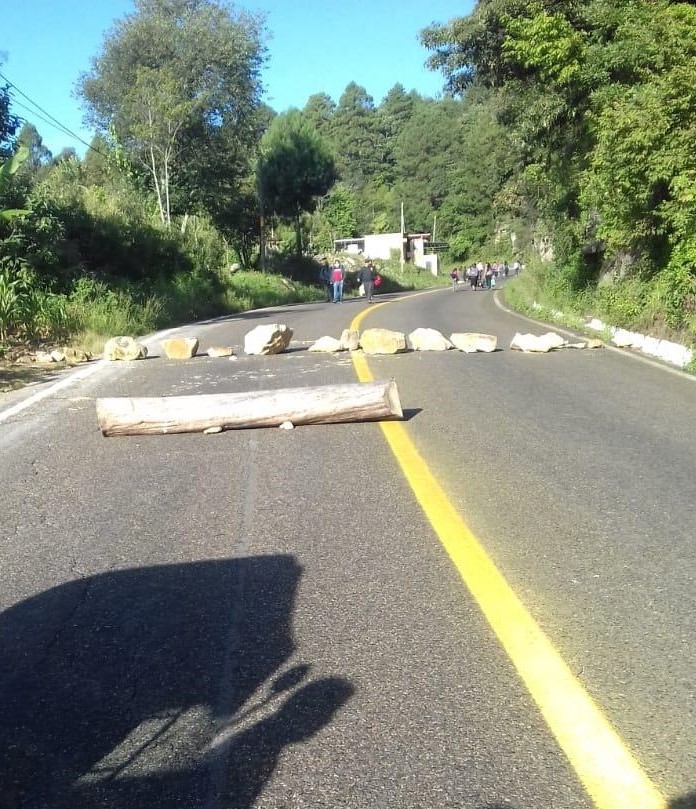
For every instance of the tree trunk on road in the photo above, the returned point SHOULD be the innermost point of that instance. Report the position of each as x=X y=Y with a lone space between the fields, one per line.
x=325 y=404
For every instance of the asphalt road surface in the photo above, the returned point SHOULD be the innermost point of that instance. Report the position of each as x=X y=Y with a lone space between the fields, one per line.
x=267 y=618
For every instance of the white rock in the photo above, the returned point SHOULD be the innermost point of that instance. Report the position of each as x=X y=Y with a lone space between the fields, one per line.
x=350 y=339
x=596 y=325
x=470 y=342
x=327 y=344
x=43 y=356
x=270 y=338
x=287 y=425
x=675 y=353
x=212 y=430
x=622 y=338
x=537 y=343
x=428 y=340
x=220 y=351
x=651 y=346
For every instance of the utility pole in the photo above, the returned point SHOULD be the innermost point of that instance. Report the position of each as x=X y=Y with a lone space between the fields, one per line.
x=401 y=253
x=262 y=232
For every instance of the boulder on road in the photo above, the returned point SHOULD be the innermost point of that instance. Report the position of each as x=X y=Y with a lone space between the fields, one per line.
x=271 y=338
x=428 y=340
x=180 y=348
x=350 y=339
x=382 y=341
x=124 y=348
x=533 y=343
x=470 y=342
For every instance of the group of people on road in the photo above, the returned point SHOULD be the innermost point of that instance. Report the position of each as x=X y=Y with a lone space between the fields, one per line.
x=333 y=277
x=484 y=275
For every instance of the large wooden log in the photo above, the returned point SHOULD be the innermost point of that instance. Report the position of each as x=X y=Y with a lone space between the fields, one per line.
x=323 y=404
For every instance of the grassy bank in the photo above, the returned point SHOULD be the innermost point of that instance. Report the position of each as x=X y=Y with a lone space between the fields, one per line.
x=646 y=306
x=94 y=310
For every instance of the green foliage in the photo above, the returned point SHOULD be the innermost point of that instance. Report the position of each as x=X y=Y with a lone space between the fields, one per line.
x=17 y=300
x=170 y=79
x=295 y=166
x=294 y=169
x=597 y=104
x=8 y=170
x=340 y=210
x=9 y=123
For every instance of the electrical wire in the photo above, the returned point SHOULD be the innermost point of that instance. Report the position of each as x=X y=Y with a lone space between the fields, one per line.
x=49 y=119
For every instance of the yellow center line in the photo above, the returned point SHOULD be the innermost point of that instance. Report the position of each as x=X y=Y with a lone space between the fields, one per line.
x=609 y=772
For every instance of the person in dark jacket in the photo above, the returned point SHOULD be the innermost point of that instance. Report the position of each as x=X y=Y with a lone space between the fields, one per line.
x=325 y=279
x=366 y=277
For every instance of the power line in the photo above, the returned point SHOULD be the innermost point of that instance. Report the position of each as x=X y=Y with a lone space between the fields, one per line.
x=35 y=115
x=54 y=122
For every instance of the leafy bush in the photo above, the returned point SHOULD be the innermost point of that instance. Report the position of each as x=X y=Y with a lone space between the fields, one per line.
x=17 y=297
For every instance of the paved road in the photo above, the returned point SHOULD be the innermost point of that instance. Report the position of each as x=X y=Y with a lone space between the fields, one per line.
x=267 y=619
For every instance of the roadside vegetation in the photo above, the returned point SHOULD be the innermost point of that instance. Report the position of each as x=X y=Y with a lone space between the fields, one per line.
x=564 y=139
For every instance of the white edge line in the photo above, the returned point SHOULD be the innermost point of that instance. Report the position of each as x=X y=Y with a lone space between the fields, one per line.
x=622 y=352
x=83 y=373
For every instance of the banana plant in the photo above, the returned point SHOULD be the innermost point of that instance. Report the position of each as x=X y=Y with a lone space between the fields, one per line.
x=7 y=171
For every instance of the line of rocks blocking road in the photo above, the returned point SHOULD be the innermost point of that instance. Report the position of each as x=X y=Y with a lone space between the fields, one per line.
x=274 y=338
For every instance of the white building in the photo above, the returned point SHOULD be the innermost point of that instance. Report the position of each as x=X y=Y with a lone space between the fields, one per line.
x=410 y=247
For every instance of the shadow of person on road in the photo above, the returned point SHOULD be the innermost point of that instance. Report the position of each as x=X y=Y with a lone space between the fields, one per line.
x=252 y=754
x=685 y=802
x=116 y=689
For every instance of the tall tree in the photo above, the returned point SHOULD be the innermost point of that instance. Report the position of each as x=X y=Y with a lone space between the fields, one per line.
x=39 y=155
x=355 y=134
x=428 y=150
x=319 y=111
x=294 y=169
x=169 y=77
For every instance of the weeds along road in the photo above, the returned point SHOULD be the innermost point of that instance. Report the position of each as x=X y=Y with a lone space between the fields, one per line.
x=269 y=618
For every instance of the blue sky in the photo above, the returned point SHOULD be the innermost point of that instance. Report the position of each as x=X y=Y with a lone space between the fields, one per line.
x=314 y=46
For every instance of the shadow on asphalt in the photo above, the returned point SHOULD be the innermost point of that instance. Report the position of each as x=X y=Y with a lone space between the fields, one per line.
x=160 y=686
x=687 y=802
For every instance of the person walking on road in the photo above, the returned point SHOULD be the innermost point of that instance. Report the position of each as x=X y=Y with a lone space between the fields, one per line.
x=366 y=277
x=325 y=279
x=338 y=276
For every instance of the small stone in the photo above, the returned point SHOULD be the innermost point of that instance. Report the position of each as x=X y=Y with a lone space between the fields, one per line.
x=329 y=345
x=220 y=351
x=75 y=356
x=287 y=425
x=212 y=430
